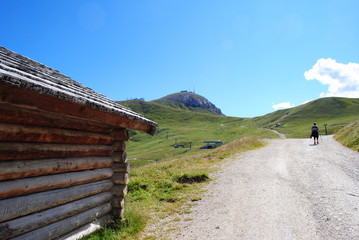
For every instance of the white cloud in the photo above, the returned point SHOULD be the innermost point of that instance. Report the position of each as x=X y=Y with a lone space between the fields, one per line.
x=283 y=105
x=343 y=79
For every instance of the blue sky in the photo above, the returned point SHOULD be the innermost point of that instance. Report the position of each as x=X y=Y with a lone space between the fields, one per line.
x=247 y=57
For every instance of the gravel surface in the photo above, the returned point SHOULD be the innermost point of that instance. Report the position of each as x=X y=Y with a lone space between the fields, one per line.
x=290 y=189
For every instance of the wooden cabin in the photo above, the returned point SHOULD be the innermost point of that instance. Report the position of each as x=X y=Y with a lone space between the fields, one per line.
x=63 y=169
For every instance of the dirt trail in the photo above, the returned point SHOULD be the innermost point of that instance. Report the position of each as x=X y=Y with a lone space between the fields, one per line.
x=287 y=190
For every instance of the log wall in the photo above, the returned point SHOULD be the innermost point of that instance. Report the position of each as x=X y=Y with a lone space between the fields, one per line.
x=61 y=175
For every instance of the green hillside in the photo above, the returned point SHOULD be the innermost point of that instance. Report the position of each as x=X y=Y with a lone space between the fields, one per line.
x=167 y=187
x=188 y=128
x=184 y=128
x=335 y=112
x=349 y=136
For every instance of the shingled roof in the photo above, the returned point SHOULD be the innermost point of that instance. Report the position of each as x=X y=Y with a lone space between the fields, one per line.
x=20 y=71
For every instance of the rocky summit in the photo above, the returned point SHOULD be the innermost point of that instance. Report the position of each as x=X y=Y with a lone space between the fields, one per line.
x=190 y=101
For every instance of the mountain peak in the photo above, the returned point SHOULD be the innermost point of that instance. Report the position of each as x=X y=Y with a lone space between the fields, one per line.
x=190 y=101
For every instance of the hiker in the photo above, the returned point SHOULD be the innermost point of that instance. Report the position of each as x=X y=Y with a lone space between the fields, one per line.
x=315 y=133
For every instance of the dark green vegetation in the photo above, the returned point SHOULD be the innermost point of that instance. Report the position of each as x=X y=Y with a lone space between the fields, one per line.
x=334 y=111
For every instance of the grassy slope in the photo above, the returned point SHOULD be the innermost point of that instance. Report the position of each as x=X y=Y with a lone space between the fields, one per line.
x=349 y=136
x=335 y=112
x=176 y=125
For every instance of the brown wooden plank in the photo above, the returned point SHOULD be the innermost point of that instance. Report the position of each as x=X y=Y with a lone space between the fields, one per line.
x=22 y=151
x=11 y=113
x=26 y=186
x=20 y=206
x=64 y=226
x=31 y=222
x=31 y=168
x=25 y=133
x=24 y=97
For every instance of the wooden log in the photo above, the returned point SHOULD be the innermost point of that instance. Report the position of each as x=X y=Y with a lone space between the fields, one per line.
x=31 y=222
x=22 y=151
x=120 y=178
x=118 y=202
x=119 y=156
x=120 y=134
x=118 y=213
x=31 y=168
x=24 y=97
x=118 y=146
x=121 y=167
x=26 y=133
x=44 y=183
x=119 y=190
x=87 y=228
x=67 y=225
x=11 y=113
x=20 y=206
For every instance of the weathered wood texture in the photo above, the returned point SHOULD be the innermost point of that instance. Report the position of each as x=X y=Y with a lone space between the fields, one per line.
x=25 y=133
x=64 y=226
x=119 y=156
x=121 y=167
x=44 y=183
x=11 y=113
x=59 y=164
x=119 y=190
x=20 y=206
x=32 y=168
x=22 y=151
x=22 y=97
x=120 y=178
x=30 y=222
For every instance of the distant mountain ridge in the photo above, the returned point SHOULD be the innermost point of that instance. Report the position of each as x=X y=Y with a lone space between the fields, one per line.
x=189 y=101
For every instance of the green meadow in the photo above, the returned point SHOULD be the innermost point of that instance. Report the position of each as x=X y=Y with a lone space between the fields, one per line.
x=183 y=127
x=165 y=180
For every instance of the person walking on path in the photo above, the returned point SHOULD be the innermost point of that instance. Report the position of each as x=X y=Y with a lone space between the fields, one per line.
x=315 y=133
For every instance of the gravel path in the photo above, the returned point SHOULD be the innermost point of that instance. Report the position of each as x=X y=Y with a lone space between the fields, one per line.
x=287 y=190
